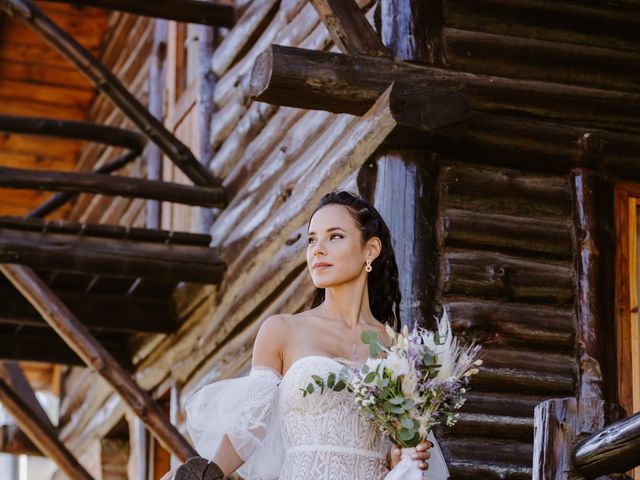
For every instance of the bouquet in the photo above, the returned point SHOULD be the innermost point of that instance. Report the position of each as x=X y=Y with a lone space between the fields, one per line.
x=408 y=388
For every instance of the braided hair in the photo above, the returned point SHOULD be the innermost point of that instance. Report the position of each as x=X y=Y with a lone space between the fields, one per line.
x=383 y=286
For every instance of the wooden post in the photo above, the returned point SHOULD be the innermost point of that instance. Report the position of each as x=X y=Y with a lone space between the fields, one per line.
x=109 y=84
x=207 y=37
x=410 y=216
x=97 y=358
x=557 y=423
x=594 y=231
x=157 y=79
x=40 y=433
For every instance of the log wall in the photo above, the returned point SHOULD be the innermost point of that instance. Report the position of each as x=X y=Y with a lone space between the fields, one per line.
x=504 y=239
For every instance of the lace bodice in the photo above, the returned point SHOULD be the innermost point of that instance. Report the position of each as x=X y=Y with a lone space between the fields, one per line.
x=326 y=436
x=282 y=435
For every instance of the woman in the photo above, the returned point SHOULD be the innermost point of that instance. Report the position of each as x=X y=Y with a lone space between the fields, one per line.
x=261 y=425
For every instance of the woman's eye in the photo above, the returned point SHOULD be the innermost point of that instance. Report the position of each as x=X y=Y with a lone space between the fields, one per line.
x=309 y=240
x=336 y=235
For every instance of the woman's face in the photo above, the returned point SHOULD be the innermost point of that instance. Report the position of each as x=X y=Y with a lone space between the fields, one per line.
x=335 y=253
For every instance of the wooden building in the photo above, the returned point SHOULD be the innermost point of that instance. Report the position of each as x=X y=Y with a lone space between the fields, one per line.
x=189 y=140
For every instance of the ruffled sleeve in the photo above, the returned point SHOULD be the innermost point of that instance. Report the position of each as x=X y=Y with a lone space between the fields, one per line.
x=245 y=409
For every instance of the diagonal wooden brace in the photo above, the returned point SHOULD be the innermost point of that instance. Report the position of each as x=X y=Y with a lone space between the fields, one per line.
x=78 y=337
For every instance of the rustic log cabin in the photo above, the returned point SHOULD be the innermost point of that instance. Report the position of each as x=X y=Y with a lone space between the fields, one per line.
x=159 y=160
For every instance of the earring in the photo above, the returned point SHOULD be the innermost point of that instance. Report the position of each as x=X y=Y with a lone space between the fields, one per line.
x=368 y=268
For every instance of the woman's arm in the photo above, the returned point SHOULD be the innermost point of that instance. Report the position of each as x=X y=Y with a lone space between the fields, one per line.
x=267 y=351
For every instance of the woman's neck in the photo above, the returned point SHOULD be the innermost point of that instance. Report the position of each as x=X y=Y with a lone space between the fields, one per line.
x=348 y=303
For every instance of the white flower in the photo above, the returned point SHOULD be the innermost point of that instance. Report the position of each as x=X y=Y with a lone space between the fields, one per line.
x=398 y=365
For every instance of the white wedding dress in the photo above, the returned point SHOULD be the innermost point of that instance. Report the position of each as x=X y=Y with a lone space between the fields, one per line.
x=282 y=435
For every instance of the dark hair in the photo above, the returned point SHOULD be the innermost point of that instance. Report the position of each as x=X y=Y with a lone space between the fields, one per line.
x=384 y=290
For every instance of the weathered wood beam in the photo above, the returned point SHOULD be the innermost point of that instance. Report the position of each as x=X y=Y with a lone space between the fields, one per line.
x=99 y=312
x=595 y=262
x=108 y=83
x=92 y=132
x=412 y=29
x=614 y=449
x=349 y=28
x=339 y=83
x=97 y=358
x=105 y=256
x=12 y=373
x=111 y=185
x=40 y=433
x=14 y=441
x=561 y=422
x=216 y=13
x=56 y=201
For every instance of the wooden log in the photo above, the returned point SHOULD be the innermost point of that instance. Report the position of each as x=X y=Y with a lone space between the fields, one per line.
x=104 y=256
x=546 y=146
x=49 y=127
x=349 y=28
x=613 y=449
x=511 y=192
x=513 y=325
x=108 y=84
x=98 y=311
x=111 y=185
x=595 y=235
x=494 y=275
x=605 y=24
x=548 y=61
x=96 y=357
x=498 y=426
x=40 y=433
x=339 y=83
x=216 y=13
x=506 y=233
x=58 y=200
x=14 y=441
x=478 y=451
x=496 y=403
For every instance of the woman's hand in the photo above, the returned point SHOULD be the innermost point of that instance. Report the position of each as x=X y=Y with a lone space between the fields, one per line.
x=421 y=454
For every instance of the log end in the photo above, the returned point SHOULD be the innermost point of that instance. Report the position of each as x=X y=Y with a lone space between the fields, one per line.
x=261 y=74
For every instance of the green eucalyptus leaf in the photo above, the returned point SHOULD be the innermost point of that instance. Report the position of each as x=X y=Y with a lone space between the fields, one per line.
x=396 y=400
x=340 y=385
x=331 y=380
x=310 y=388
x=370 y=377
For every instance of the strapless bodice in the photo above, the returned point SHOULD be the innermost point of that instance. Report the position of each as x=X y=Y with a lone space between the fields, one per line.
x=325 y=435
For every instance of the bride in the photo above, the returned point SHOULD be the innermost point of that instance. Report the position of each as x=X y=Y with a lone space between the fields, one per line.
x=260 y=425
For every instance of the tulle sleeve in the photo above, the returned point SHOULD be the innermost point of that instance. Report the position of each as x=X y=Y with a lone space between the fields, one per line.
x=245 y=409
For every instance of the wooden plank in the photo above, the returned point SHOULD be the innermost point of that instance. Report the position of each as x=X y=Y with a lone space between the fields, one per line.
x=96 y=357
x=340 y=83
x=349 y=28
x=40 y=433
x=43 y=74
x=111 y=185
x=13 y=375
x=109 y=84
x=104 y=256
x=215 y=13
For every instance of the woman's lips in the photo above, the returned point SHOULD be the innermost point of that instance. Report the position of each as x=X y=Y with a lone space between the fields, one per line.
x=321 y=267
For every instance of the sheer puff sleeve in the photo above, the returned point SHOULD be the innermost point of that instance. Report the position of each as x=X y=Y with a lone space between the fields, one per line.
x=246 y=410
